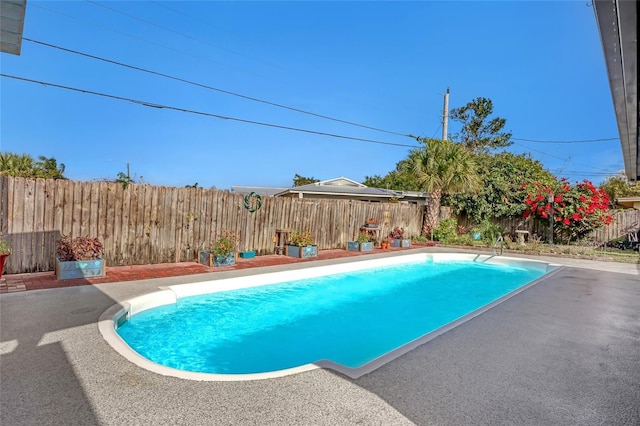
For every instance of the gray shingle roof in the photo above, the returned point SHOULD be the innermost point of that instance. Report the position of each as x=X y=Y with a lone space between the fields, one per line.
x=351 y=190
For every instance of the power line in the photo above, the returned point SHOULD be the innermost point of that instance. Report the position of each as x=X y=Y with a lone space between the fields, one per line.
x=574 y=172
x=204 y=86
x=574 y=141
x=190 y=111
x=158 y=25
x=559 y=158
x=66 y=15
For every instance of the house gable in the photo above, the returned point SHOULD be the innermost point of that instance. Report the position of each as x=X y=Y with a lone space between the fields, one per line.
x=340 y=181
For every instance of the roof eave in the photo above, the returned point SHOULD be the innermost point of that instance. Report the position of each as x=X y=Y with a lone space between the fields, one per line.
x=618 y=23
x=11 y=25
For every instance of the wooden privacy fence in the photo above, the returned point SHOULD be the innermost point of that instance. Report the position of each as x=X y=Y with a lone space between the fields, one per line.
x=624 y=222
x=508 y=224
x=143 y=224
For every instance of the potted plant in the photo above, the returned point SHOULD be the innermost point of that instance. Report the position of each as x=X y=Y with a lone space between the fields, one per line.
x=366 y=241
x=223 y=250
x=79 y=257
x=371 y=223
x=398 y=239
x=353 y=245
x=301 y=245
x=363 y=242
x=385 y=243
x=5 y=251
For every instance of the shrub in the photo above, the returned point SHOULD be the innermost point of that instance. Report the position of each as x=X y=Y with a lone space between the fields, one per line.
x=301 y=239
x=4 y=248
x=576 y=210
x=79 y=248
x=363 y=237
x=463 y=240
x=397 y=233
x=225 y=244
x=446 y=230
x=489 y=231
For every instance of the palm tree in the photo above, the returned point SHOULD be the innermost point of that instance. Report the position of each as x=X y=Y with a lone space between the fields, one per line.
x=48 y=168
x=23 y=165
x=442 y=167
x=16 y=165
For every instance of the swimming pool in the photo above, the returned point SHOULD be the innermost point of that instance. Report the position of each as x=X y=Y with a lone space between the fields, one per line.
x=351 y=317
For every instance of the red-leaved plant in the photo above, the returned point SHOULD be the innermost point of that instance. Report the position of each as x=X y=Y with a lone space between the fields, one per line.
x=396 y=233
x=576 y=210
x=79 y=248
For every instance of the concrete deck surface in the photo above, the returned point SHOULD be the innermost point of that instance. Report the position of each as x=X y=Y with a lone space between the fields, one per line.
x=564 y=352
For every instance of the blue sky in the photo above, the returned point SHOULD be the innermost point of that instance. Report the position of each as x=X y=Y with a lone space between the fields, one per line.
x=384 y=65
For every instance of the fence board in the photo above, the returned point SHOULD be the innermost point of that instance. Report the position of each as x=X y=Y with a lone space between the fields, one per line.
x=76 y=210
x=27 y=228
x=48 y=230
x=4 y=204
x=16 y=224
x=38 y=224
x=112 y=218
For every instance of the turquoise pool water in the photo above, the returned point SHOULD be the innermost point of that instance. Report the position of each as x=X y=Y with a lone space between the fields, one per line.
x=349 y=318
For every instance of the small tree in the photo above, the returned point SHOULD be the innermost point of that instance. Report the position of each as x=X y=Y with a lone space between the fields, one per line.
x=576 y=210
x=442 y=167
x=301 y=180
x=619 y=186
x=478 y=132
x=23 y=165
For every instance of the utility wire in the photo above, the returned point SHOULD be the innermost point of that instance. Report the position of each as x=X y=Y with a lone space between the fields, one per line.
x=204 y=86
x=121 y=33
x=559 y=158
x=158 y=25
x=190 y=111
x=575 y=141
x=574 y=172
x=243 y=96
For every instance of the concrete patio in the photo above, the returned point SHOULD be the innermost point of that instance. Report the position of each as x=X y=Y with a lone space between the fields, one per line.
x=564 y=352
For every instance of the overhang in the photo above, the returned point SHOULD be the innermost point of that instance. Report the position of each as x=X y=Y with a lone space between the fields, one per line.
x=629 y=202
x=618 y=26
x=11 y=25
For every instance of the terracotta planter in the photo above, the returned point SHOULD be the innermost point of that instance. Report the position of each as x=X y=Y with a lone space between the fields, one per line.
x=2 y=259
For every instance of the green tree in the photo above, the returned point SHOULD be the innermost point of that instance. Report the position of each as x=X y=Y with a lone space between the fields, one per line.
x=442 y=167
x=401 y=178
x=301 y=180
x=502 y=195
x=479 y=133
x=49 y=168
x=619 y=186
x=124 y=179
x=23 y=165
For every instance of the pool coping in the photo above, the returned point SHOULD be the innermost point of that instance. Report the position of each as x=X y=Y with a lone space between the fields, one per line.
x=119 y=313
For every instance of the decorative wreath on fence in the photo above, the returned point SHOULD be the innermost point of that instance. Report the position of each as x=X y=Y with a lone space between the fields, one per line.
x=252 y=202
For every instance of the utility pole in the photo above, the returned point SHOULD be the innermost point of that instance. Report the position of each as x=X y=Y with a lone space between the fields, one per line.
x=445 y=116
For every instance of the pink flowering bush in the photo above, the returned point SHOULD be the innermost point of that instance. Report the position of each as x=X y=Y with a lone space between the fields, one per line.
x=576 y=210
